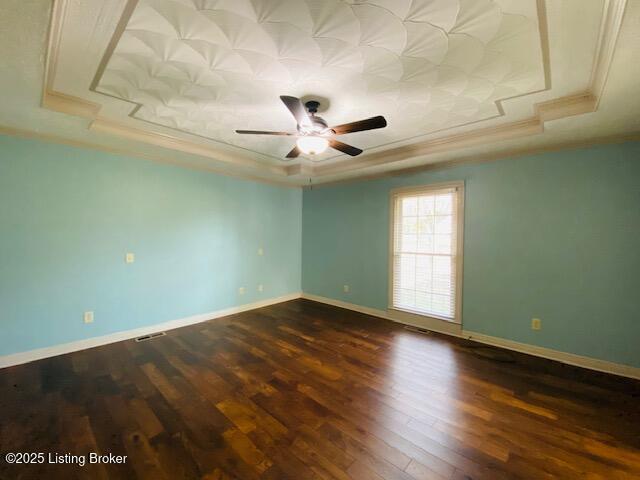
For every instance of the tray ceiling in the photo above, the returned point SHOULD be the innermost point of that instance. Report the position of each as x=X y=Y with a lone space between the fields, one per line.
x=207 y=67
x=459 y=81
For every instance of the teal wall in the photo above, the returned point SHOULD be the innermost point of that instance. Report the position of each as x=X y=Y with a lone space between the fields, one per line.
x=554 y=236
x=69 y=215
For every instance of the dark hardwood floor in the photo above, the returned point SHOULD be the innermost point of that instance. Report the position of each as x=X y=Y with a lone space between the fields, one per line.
x=302 y=390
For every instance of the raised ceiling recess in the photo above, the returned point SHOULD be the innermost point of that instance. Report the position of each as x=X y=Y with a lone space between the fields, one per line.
x=207 y=67
x=456 y=80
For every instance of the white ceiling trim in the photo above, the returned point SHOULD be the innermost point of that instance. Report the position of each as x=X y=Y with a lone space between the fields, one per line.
x=425 y=78
x=609 y=32
x=484 y=158
x=162 y=159
x=545 y=111
x=72 y=105
x=175 y=143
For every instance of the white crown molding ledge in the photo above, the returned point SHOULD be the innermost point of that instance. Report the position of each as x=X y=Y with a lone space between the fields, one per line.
x=166 y=160
x=40 y=353
x=103 y=125
x=585 y=102
x=456 y=331
x=612 y=16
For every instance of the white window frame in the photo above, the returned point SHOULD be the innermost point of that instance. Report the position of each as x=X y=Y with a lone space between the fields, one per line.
x=417 y=190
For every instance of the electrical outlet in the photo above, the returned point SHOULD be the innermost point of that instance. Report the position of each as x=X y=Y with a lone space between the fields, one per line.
x=260 y=288
x=129 y=258
x=88 y=317
x=536 y=324
x=260 y=251
x=241 y=290
x=345 y=288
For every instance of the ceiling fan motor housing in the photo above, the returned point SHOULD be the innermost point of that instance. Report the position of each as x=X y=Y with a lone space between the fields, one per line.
x=314 y=134
x=318 y=126
x=312 y=106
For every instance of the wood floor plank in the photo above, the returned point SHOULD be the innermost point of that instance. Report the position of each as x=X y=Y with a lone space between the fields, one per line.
x=302 y=390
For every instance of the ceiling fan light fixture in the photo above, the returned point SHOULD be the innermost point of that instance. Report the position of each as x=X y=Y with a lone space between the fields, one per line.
x=314 y=135
x=312 y=145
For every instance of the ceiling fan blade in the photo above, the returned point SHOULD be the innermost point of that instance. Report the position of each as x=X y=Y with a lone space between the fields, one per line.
x=344 y=148
x=294 y=152
x=296 y=108
x=367 y=124
x=262 y=132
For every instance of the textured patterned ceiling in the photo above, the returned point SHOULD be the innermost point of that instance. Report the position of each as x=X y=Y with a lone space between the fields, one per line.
x=207 y=67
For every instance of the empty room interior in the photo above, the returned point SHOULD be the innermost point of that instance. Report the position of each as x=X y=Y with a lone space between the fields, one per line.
x=320 y=239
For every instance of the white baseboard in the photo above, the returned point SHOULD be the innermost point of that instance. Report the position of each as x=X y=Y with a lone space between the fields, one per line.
x=457 y=331
x=440 y=326
x=31 y=355
x=430 y=324
x=563 y=357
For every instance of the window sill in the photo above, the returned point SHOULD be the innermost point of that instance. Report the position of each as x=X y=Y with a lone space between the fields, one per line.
x=429 y=322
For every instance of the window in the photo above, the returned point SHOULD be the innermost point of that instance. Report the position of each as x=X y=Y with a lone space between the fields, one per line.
x=426 y=255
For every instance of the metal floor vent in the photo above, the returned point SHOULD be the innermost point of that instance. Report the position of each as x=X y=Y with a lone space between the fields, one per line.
x=150 y=336
x=424 y=331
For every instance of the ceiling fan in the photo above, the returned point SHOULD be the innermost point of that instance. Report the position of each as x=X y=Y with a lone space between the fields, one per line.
x=314 y=134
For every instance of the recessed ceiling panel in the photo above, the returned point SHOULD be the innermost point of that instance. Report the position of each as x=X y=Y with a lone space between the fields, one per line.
x=207 y=67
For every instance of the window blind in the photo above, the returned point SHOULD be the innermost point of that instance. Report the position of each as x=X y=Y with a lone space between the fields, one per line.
x=425 y=244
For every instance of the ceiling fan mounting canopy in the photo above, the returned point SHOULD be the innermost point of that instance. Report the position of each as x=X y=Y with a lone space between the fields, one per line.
x=313 y=132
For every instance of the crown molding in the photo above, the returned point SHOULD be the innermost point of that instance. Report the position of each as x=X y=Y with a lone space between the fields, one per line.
x=300 y=170
x=71 y=105
x=545 y=111
x=123 y=130
x=62 y=103
x=585 y=102
x=58 y=9
x=477 y=137
x=130 y=6
x=76 y=106
x=612 y=16
x=490 y=157
x=565 y=107
x=51 y=99
x=46 y=137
